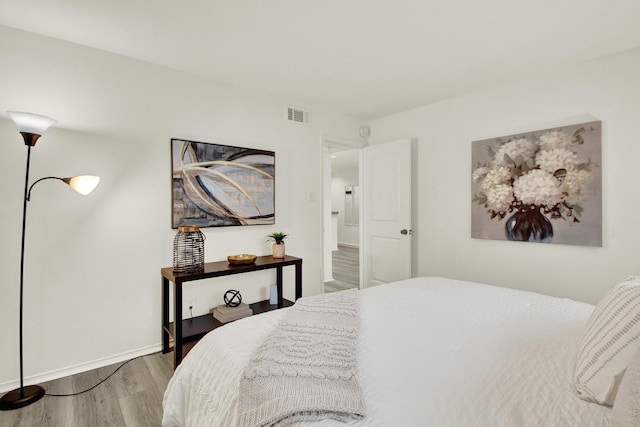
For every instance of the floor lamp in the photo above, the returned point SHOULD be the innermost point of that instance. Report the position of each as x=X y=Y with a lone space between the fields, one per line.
x=32 y=127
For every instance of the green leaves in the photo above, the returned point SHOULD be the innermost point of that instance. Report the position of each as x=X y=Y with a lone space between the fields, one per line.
x=520 y=165
x=480 y=199
x=277 y=237
x=585 y=166
x=565 y=211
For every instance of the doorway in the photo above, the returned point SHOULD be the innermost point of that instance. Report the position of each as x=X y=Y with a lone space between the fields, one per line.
x=383 y=227
x=341 y=213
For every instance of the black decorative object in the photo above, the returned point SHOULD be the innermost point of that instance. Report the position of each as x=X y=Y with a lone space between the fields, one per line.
x=188 y=250
x=528 y=224
x=232 y=298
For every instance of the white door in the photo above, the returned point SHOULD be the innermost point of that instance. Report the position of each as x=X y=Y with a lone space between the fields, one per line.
x=386 y=234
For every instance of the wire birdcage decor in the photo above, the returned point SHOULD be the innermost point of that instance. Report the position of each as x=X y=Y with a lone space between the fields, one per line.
x=188 y=250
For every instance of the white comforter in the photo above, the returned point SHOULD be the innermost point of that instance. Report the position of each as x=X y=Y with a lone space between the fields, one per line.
x=432 y=352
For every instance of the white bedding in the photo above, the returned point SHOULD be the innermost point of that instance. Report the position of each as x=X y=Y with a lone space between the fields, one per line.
x=432 y=352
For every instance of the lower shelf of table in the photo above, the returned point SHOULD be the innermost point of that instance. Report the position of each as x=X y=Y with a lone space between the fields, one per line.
x=195 y=328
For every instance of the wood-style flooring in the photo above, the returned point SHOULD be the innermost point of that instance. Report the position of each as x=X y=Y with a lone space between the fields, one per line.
x=132 y=397
x=346 y=269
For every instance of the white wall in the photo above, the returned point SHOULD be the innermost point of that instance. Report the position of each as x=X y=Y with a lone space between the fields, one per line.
x=347 y=234
x=93 y=263
x=606 y=90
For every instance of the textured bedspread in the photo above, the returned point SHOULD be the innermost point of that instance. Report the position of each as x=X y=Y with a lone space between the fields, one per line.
x=306 y=368
x=431 y=352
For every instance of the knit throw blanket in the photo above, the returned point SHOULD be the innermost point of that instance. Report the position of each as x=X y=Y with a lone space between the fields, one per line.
x=306 y=368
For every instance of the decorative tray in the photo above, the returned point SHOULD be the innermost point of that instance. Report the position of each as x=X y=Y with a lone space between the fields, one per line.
x=241 y=259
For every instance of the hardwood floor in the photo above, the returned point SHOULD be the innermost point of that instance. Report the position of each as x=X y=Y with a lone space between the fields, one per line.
x=132 y=397
x=346 y=269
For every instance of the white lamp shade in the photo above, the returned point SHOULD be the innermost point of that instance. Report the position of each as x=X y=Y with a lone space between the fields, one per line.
x=83 y=184
x=31 y=123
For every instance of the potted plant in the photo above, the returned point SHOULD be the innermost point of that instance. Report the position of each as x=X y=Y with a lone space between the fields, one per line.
x=278 y=245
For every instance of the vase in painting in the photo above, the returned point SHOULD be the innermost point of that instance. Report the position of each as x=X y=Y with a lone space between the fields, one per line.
x=528 y=224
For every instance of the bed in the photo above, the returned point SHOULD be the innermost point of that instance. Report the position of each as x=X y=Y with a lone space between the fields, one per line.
x=430 y=352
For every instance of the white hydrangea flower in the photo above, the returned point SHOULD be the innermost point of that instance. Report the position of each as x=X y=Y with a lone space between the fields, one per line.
x=479 y=173
x=538 y=188
x=557 y=158
x=499 y=197
x=538 y=159
x=496 y=176
x=575 y=184
x=518 y=147
x=554 y=139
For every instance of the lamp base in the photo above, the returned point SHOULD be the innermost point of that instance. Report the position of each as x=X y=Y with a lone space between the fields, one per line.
x=14 y=399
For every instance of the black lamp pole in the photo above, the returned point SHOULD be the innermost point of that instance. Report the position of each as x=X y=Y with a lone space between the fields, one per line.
x=23 y=396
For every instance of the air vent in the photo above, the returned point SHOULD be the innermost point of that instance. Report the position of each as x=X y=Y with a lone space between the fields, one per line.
x=297 y=115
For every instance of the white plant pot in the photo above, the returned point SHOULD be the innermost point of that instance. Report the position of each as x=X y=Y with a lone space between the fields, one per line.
x=278 y=250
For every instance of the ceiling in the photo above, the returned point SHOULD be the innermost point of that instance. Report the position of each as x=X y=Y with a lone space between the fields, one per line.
x=344 y=159
x=363 y=58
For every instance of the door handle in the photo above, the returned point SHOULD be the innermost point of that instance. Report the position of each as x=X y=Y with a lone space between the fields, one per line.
x=404 y=231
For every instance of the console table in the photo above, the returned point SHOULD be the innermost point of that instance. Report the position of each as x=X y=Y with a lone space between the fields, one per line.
x=194 y=328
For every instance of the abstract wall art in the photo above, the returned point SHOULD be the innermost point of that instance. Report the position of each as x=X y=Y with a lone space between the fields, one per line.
x=217 y=185
x=543 y=186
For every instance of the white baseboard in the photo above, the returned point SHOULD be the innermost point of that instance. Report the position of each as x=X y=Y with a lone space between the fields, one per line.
x=81 y=367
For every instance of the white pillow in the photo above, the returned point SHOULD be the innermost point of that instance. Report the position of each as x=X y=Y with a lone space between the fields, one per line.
x=626 y=409
x=611 y=339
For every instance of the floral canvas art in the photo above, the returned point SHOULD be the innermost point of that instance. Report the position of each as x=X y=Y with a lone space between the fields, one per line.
x=542 y=186
x=217 y=185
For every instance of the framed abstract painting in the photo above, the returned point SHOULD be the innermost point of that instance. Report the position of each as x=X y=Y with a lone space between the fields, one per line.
x=217 y=185
x=543 y=186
